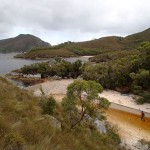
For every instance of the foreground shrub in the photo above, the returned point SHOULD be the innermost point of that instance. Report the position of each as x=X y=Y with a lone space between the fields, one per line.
x=49 y=106
x=113 y=133
x=14 y=141
x=4 y=127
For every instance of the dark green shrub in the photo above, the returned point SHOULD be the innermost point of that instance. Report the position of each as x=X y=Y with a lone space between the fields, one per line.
x=49 y=106
x=144 y=99
x=104 y=103
x=137 y=89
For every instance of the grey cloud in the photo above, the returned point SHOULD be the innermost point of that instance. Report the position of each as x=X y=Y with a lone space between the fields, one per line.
x=80 y=17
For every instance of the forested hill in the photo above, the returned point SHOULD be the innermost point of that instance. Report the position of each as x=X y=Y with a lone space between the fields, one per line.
x=93 y=47
x=117 y=43
x=21 y=43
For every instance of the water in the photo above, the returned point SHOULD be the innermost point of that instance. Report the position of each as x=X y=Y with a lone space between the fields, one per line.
x=9 y=63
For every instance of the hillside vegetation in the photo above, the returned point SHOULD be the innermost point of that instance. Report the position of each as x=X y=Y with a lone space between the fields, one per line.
x=21 y=43
x=93 y=47
x=30 y=123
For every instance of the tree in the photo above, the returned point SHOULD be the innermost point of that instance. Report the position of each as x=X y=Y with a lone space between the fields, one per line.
x=75 y=69
x=145 y=55
x=62 y=69
x=141 y=80
x=81 y=99
x=43 y=69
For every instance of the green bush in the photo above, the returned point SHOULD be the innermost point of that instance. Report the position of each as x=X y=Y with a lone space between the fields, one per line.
x=137 y=89
x=49 y=106
x=144 y=99
x=104 y=103
x=112 y=131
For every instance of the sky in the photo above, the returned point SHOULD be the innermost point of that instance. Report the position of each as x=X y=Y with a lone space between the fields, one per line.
x=57 y=21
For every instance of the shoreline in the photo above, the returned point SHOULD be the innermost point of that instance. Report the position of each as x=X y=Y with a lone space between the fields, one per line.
x=48 y=58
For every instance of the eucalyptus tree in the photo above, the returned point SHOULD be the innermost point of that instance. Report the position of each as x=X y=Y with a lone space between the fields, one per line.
x=82 y=99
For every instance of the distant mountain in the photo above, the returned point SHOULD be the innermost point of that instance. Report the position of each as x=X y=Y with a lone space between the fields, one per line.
x=21 y=43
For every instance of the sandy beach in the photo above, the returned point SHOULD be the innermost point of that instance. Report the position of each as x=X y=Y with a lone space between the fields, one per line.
x=125 y=100
x=58 y=89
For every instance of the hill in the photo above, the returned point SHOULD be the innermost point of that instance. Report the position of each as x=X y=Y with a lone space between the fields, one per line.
x=24 y=125
x=21 y=43
x=117 y=43
x=93 y=47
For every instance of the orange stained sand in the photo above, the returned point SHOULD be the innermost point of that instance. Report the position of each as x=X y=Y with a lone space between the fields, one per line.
x=132 y=119
x=131 y=128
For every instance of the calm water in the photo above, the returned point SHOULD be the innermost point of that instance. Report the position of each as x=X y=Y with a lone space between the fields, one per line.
x=8 y=63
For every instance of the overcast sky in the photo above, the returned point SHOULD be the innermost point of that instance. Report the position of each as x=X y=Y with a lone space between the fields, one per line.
x=56 y=21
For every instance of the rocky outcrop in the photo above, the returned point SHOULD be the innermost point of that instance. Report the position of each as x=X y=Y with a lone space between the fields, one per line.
x=99 y=125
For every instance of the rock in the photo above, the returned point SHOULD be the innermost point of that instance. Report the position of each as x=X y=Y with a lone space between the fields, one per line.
x=100 y=125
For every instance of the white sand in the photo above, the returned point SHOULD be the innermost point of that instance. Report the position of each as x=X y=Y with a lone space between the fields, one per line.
x=87 y=56
x=59 y=87
x=124 y=99
x=55 y=87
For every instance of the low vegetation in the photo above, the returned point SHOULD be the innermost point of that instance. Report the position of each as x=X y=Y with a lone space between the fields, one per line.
x=112 y=56
x=30 y=123
x=62 y=50
x=46 y=53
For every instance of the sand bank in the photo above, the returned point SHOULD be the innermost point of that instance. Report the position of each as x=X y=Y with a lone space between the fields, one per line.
x=127 y=100
x=59 y=88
